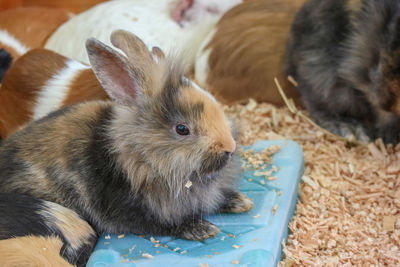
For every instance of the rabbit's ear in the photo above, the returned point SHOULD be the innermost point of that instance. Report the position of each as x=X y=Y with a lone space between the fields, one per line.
x=158 y=53
x=134 y=48
x=113 y=72
x=149 y=67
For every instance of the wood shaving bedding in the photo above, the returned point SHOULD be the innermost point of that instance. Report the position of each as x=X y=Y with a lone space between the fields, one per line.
x=147 y=256
x=348 y=212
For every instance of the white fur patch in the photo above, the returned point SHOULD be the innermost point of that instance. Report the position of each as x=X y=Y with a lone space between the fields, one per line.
x=75 y=230
x=203 y=9
x=198 y=88
x=201 y=68
x=7 y=39
x=55 y=90
x=150 y=20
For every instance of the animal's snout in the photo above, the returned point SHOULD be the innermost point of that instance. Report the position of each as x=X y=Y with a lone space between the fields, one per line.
x=227 y=154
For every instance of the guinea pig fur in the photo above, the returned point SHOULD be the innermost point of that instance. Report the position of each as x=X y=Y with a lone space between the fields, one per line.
x=151 y=20
x=25 y=28
x=345 y=57
x=35 y=251
x=245 y=52
x=29 y=225
x=124 y=165
x=42 y=81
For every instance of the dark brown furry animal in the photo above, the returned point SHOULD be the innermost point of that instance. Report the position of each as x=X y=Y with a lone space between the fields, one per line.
x=345 y=56
x=5 y=62
x=124 y=166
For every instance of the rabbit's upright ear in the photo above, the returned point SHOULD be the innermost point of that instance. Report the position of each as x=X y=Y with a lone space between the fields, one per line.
x=113 y=72
x=135 y=49
x=149 y=67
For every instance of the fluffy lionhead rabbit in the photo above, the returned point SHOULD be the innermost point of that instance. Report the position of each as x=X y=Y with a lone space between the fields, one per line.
x=125 y=165
x=345 y=56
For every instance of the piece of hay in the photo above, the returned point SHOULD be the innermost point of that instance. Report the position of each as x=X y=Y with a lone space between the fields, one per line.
x=147 y=256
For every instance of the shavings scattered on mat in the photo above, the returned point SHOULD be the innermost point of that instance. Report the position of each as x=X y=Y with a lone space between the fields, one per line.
x=348 y=211
x=258 y=161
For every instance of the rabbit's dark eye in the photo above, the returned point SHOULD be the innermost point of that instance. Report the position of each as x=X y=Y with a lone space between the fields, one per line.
x=182 y=129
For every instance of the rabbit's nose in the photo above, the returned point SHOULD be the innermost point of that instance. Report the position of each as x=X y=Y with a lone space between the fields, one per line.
x=229 y=145
x=227 y=154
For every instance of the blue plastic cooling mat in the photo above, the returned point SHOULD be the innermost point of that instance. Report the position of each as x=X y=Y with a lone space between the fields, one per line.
x=248 y=239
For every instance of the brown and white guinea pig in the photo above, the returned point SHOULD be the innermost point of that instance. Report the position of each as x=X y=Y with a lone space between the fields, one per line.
x=25 y=28
x=153 y=161
x=180 y=25
x=40 y=82
x=36 y=232
x=245 y=52
x=345 y=56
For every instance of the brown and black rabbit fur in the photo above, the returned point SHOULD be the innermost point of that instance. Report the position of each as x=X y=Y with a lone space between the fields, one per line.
x=35 y=232
x=345 y=56
x=124 y=165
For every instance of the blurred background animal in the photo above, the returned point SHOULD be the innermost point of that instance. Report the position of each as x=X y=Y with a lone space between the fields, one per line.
x=245 y=52
x=25 y=28
x=153 y=20
x=42 y=81
x=345 y=56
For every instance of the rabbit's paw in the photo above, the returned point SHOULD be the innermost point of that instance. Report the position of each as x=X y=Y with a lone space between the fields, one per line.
x=237 y=203
x=199 y=230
